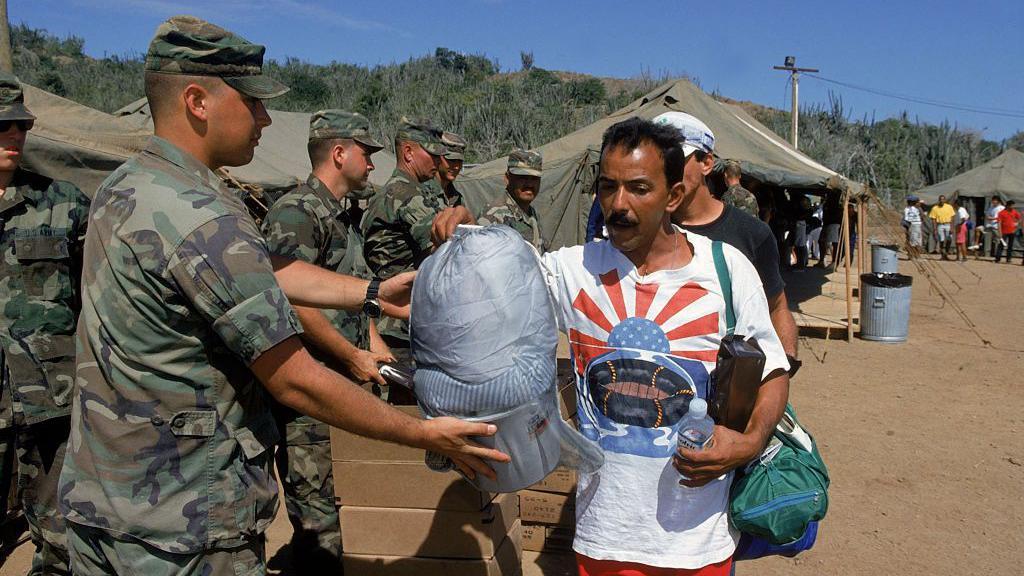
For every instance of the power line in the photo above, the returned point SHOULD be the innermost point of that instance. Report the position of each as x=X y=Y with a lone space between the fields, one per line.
x=1004 y=112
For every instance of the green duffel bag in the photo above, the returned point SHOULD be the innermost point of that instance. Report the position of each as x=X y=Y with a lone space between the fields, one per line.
x=786 y=488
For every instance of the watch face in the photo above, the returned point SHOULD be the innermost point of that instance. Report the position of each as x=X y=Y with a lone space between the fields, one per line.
x=371 y=308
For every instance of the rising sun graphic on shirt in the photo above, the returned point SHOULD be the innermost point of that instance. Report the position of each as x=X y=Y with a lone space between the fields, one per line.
x=639 y=355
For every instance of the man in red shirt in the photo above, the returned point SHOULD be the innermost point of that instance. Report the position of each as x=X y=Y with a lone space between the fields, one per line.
x=1009 y=220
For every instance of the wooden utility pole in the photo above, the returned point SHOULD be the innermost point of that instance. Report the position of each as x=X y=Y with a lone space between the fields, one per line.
x=6 y=60
x=794 y=77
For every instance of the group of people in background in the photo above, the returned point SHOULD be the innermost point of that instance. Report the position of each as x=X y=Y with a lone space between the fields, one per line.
x=951 y=230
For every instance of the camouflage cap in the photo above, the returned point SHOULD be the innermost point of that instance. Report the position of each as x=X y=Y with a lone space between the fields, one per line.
x=455 y=144
x=423 y=133
x=525 y=163
x=189 y=45
x=326 y=124
x=12 y=99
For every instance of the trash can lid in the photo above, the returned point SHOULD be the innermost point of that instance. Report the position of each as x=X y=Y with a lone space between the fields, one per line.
x=887 y=280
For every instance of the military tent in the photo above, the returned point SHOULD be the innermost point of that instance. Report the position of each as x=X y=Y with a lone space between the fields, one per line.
x=1001 y=176
x=83 y=145
x=570 y=163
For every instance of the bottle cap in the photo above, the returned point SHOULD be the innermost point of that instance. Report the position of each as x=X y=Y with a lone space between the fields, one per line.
x=698 y=408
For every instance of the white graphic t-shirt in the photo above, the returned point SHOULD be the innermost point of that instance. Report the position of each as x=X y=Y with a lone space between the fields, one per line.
x=642 y=347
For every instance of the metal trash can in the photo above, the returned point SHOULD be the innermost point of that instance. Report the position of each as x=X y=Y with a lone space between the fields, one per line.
x=885 y=307
x=885 y=259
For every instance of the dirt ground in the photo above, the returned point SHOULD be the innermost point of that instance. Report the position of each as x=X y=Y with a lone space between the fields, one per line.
x=924 y=440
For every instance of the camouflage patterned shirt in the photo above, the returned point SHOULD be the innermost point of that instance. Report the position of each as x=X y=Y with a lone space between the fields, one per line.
x=396 y=225
x=741 y=198
x=505 y=210
x=42 y=229
x=396 y=229
x=172 y=437
x=310 y=224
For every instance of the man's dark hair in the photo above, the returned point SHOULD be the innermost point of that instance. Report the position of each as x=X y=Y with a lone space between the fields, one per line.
x=1010 y=203
x=630 y=134
x=162 y=90
x=320 y=148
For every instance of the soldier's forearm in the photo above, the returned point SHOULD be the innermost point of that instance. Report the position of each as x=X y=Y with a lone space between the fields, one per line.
x=309 y=285
x=319 y=333
x=296 y=380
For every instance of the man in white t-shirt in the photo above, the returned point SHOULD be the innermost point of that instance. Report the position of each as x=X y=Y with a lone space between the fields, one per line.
x=644 y=315
x=912 y=223
x=992 y=225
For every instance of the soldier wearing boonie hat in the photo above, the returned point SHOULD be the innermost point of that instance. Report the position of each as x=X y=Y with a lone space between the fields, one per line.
x=185 y=331
x=42 y=228
x=310 y=223
x=514 y=208
x=451 y=166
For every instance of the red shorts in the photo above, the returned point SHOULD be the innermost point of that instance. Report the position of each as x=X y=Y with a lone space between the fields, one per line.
x=591 y=567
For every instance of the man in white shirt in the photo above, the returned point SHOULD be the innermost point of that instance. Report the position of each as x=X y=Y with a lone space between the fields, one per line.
x=645 y=316
x=992 y=225
x=912 y=222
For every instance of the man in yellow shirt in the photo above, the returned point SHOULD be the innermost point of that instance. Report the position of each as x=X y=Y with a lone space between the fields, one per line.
x=942 y=216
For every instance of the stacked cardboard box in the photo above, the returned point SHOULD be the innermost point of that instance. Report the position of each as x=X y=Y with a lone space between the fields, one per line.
x=400 y=517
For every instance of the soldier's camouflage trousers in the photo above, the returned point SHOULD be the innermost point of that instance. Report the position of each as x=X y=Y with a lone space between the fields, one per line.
x=304 y=465
x=39 y=449
x=96 y=552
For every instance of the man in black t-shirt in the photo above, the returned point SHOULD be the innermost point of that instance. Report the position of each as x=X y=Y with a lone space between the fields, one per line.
x=703 y=214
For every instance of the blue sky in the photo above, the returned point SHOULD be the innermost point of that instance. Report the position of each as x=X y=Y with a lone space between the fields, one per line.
x=966 y=53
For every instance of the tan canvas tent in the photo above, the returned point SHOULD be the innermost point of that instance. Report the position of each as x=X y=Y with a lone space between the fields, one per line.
x=77 y=143
x=570 y=163
x=1001 y=176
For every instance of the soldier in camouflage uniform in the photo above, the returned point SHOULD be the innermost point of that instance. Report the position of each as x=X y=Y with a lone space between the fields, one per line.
x=43 y=224
x=310 y=224
x=451 y=166
x=737 y=195
x=513 y=209
x=396 y=226
x=169 y=467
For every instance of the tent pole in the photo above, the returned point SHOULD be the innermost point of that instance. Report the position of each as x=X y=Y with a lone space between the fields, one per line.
x=846 y=265
x=862 y=240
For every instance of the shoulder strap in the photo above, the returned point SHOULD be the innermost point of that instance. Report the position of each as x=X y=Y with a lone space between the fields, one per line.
x=726 y=282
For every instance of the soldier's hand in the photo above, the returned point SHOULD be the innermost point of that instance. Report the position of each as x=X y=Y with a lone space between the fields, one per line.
x=450 y=437
x=362 y=366
x=395 y=293
x=446 y=221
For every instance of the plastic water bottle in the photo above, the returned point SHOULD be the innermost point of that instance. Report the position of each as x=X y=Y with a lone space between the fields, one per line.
x=697 y=428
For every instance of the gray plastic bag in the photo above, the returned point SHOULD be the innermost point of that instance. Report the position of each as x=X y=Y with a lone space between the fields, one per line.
x=484 y=337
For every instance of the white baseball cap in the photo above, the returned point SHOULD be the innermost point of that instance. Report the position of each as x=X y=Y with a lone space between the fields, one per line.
x=696 y=134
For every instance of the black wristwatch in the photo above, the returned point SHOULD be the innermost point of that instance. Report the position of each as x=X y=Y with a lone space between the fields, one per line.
x=794 y=365
x=371 y=306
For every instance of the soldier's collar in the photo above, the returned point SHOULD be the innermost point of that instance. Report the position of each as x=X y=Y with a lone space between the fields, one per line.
x=516 y=208
x=164 y=149
x=324 y=194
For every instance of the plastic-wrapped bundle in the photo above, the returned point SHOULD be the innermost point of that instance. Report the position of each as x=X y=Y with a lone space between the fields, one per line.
x=484 y=337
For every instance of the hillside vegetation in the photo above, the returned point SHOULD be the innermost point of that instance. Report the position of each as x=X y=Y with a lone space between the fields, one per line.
x=496 y=111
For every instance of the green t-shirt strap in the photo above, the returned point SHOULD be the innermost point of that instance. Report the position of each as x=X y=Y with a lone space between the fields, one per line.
x=726 y=282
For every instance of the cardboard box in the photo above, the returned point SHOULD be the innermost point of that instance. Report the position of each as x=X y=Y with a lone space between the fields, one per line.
x=507 y=561
x=346 y=446
x=561 y=481
x=543 y=537
x=533 y=537
x=549 y=564
x=405 y=485
x=546 y=508
x=429 y=533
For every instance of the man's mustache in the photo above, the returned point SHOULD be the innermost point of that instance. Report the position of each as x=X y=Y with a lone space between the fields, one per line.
x=620 y=219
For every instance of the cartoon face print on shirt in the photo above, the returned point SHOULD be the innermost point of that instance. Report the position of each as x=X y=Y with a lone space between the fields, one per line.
x=638 y=372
